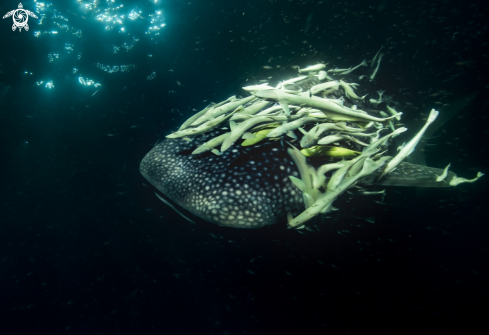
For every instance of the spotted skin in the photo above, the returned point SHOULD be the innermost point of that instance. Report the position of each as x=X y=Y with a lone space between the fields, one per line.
x=245 y=187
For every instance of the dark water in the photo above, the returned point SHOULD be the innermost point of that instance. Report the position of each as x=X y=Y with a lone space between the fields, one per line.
x=86 y=247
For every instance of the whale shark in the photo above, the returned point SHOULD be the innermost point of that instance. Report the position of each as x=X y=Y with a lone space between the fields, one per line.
x=244 y=163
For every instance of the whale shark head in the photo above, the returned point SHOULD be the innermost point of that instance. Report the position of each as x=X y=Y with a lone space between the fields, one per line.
x=244 y=187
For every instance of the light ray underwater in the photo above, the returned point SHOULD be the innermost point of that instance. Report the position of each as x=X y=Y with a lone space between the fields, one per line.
x=289 y=151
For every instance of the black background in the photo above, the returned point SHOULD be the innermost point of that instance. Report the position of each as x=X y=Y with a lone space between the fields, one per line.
x=86 y=247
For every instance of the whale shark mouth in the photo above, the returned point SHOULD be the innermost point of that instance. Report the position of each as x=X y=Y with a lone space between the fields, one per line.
x=287 y=151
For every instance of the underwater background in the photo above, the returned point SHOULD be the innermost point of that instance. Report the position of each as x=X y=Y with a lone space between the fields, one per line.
x=87 y=248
